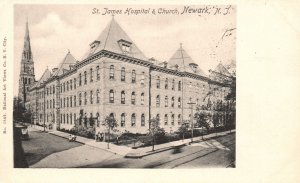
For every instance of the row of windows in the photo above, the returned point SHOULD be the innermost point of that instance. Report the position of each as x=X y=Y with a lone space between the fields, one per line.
x=26 y=81
x=68 y=118
x=167 y=84
x=50 y=104
x=123 y=75
x=167 y=101
x=50 y=90
x=133 y=97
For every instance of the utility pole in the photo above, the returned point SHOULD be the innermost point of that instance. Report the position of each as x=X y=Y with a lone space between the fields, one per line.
x=192 y=119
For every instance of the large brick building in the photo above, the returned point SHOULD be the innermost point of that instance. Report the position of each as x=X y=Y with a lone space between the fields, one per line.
x=115 y=78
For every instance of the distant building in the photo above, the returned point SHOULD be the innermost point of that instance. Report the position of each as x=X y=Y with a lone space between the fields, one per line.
x=116 y=79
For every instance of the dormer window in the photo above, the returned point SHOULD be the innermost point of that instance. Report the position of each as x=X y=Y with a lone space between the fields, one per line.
x=125 y=46
x=94 y=45
x=193 y=66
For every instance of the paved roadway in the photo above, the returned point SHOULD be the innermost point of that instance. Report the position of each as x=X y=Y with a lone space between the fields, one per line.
x=45 y=150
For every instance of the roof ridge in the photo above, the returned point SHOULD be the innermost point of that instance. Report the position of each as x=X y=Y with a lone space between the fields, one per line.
x=108 y=33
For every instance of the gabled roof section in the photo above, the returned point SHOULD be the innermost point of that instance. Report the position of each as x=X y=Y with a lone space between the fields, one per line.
x=222 y=70
x=111 y=39
x=46 y=75
x=184 y=62
x=65 y=64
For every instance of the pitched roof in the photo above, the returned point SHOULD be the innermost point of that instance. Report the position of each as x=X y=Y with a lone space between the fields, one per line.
x=46 y=75
x=222 y=70
x=110 y=39
x=65 y=64
x=184 y=62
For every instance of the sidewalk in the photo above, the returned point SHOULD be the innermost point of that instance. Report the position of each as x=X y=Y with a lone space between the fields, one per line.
x=128 y=152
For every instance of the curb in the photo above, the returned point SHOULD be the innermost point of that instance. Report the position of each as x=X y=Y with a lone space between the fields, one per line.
x=141 y=155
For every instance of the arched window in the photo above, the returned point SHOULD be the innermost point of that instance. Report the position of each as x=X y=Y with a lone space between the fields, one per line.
x=80 y=79
x=157 y=101
x=123 y=97
x=123 y=120
x=133 y=76
x=142 y=99
x=71 y=84
x=91 y=74
x=111 y=115
x=64 y=87
x=74 y=117
x=111 y=96
x=133 y=119
x=143 y=120
x=67 y=101
x=98 y=96
x=166 y=83
x=166 y=101
x=53 y=89
x=111 y=72
x=172 y=101
x=71 y=117
x=53 y=103
x=173 y=84
x=98 y=72
x=166 y=119
x=179 y=119
x=67 y=118
x=179 y=85
x=64 y=118
x=91 y=97
x=74 y=100
x=158 y=117
x=64 y=102
x=143 y=78
x=123 y=74
x=50 y=104
x=172 y=119
x=179 y=102
x=158 y=82
x=85 y=98
x=85 y=79
x=67 y=85
x=133 y=98
x=25 y=80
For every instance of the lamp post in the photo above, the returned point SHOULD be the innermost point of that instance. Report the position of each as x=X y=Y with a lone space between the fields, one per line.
x=192 y=119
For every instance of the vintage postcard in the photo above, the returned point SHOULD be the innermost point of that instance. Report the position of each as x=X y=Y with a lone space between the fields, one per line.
x=130 y=87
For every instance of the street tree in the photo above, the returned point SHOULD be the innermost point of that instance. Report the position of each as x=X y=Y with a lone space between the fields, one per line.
x=183 y=129
x=111 y=124
x=155 y=131
x=201 y=120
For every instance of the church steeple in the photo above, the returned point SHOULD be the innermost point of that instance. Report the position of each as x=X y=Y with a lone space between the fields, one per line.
x=27 y=76
x=27 y=55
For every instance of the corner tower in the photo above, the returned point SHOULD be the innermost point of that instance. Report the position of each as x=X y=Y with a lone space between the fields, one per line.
x=27 y=76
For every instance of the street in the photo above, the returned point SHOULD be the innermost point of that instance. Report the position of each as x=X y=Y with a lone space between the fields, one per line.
x=45 y=150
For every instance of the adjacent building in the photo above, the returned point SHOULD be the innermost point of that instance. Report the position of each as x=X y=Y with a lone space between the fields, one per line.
x=116 y=79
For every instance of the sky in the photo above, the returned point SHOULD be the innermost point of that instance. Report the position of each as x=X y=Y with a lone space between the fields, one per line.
x=55 y=29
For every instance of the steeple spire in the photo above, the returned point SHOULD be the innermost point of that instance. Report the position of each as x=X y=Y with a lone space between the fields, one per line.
x=27 y=55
